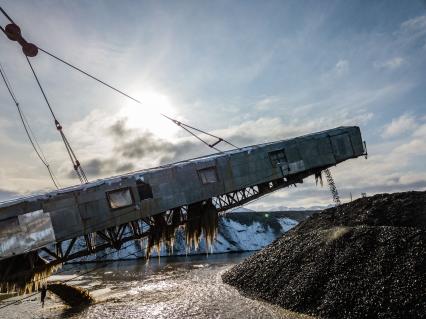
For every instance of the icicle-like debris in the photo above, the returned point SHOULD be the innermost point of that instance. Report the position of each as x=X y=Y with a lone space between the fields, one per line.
x=318 y=178
x=162 y=233
x=202 y=218
x=24 y=273
x=70 y=295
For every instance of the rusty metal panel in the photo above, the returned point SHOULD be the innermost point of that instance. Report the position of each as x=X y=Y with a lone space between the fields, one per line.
x=310 y=154
x=342 y=146
x=356 y=140
x=25 y=233
x=325 y=151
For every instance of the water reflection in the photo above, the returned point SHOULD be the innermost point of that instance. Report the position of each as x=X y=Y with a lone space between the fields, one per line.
x=178 y=287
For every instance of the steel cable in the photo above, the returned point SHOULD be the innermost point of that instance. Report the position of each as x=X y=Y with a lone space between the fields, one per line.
x=31 y=136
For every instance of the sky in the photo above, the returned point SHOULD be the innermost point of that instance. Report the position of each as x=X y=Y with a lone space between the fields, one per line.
x=248 y=71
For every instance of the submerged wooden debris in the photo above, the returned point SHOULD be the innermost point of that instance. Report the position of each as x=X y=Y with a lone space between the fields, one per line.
x=70 y=295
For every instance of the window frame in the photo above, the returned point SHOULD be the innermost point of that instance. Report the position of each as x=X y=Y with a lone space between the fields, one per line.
x=273 y=158
x=108 y=193
x=143 y=187
x=199 y=171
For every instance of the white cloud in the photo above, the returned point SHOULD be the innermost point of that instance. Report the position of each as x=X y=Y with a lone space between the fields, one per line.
x=390 y=64
x=415 y=24
x=404 y=123
x=267 y=102
x=420 y=131
x=341 y=67
x=411 y=30
x=266 y=129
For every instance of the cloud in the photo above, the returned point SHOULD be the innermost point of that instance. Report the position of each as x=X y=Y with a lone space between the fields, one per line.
x=130 y=149
x=157 y=150
x=133 y=144
x=119 y=128
x=420 y=131
x=413 y=29
x=404 y=123
x=267 y=102
x=103 y=167
x=341 y=67
x=267 y=129
x=415 y=24
x=390 y=64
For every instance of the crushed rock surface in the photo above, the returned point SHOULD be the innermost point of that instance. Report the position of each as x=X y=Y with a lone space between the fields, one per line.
x=365 y=259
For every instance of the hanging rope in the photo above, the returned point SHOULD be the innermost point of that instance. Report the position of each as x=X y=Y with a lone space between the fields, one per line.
x=31 y=137
x=75 y=162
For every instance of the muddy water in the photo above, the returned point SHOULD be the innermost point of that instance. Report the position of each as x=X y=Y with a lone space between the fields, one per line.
x=177 y=287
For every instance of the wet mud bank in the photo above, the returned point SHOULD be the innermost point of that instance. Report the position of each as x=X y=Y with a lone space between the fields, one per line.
x=366 y=259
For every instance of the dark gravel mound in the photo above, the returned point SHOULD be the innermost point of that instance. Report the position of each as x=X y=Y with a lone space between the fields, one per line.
x=399 y=209
x=366 y=260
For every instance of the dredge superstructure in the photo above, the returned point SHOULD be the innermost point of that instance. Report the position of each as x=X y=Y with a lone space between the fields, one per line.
x=114 y=208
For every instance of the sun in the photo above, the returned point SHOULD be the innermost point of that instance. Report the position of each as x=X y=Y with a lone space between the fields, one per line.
x=147 y=116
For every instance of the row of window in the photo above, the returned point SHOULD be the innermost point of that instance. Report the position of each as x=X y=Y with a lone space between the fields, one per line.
x=278 y=157
x=123 y=197
x=284 y=156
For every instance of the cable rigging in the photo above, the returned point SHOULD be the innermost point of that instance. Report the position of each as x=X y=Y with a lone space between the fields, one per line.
x=185 y=126
x=13 y=32
x=31 y=136
x=75 y=162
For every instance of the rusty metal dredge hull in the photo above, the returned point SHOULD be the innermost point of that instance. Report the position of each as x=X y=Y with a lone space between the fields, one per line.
x=114 y=209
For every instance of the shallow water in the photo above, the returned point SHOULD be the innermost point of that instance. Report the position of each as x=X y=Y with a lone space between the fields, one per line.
x=174 y=287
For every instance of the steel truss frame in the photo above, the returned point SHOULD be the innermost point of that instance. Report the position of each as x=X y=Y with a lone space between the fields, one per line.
x=115 y=237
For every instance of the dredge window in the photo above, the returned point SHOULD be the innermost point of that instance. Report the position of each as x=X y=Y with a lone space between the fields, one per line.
x=120 y=198
x=278 y=157
x=144 y=190
x=208 y=175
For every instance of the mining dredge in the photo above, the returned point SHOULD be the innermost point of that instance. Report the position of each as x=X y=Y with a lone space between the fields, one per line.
x=153 y=203
x=39 y=233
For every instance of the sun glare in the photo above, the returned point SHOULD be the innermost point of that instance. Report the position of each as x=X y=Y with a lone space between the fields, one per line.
x=147 y=116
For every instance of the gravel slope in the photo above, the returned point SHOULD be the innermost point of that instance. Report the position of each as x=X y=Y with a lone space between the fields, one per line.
x=365 y=260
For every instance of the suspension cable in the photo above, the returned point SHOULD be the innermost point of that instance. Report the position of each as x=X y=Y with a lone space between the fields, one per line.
x=89 y=75
x=178 y=123
x=74 y=160
x=13 y=32
x=183 y=125
x=31 y=136
x=6 y=15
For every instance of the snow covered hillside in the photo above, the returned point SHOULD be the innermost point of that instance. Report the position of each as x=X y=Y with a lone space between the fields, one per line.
x=238 y=231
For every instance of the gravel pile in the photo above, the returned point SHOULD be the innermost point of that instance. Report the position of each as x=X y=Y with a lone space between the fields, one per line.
x=364 y=260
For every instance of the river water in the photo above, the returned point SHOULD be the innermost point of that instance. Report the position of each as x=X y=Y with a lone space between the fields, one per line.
x=172 y=287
